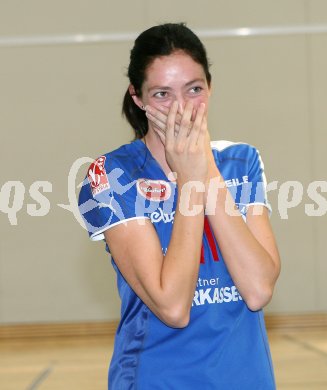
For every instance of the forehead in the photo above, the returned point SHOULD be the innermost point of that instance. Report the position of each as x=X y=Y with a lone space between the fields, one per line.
x=178 y=66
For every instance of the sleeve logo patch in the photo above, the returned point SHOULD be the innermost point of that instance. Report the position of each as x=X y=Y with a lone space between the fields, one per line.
x=154 y=190
x=97 y=176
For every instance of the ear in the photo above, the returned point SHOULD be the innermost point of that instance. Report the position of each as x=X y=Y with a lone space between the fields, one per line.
x=136 y=99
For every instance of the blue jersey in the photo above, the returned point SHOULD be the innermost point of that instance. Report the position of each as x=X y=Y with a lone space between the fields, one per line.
x=224 y=346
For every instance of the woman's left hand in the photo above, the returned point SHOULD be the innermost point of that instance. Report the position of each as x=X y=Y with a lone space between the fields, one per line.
x=158 y=118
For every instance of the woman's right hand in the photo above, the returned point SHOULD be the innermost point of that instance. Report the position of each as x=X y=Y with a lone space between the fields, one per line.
x=186 y=148
x=166 y=282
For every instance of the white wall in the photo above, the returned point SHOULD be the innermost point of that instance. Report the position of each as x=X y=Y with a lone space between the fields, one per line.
x=62 y=102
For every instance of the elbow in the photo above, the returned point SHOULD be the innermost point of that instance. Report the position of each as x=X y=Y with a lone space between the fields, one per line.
x=261 y=293
x=259 y=298
x=176 y=317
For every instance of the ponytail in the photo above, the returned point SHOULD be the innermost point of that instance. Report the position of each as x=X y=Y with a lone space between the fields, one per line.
x=135 y=116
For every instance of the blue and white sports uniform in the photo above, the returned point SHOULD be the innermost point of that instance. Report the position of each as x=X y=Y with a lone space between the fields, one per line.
x=225 y=345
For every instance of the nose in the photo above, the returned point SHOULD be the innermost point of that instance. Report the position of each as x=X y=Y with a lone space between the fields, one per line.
x=181 y=103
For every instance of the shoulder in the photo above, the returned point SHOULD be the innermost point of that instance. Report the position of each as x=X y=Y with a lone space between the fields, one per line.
x=121 y=155
x=124 y=158
x=237 y=157
x=233 y=149
x=111 y=170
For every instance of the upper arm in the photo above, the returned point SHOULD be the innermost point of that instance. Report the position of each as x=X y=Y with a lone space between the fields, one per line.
x=137 y=252
x=258 y=209
x=112 y=209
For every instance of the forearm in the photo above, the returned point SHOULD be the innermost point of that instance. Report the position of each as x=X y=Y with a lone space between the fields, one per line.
x=181 y=263
x=185 y=154
x=253 y=269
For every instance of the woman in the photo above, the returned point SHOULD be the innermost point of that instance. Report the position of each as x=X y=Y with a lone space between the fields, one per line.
x=187 y=226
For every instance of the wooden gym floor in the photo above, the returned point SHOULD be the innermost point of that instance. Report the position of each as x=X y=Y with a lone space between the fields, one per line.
x=69 y=363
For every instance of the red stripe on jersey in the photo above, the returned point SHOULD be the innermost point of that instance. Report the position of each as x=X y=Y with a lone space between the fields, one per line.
x=211 y=239
x=202 y=254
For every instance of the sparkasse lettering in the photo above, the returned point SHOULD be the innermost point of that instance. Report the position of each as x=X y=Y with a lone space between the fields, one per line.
x=216 y=295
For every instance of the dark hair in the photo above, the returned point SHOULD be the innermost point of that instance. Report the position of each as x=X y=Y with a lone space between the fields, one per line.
x=161 y=40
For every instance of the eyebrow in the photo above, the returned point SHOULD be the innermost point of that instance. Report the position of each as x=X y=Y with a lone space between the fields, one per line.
x=169 y=88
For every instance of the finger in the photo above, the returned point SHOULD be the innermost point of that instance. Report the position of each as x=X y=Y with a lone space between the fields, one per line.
x=156 y=121
x=157 y=117
x=161 y=135
x=159 y=125
x=197 y=127
x=185 y=122
x=158 y=130
x=205 y=130
x=161 y=114
x=164 y=111
x=204 y=137
x=170 y=128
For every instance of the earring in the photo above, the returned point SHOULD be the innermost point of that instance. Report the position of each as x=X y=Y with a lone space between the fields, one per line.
x=143 y=108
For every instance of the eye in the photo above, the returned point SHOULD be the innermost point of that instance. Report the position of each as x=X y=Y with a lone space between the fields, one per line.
x=161 y=94
x=196 y=90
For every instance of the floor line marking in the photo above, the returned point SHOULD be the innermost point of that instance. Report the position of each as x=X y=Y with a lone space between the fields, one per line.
x=305 y=345
x=41 y=377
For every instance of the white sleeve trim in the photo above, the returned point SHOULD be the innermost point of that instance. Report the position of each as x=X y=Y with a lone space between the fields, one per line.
x=223 y=144
x=98 y=235
x=267 y=205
